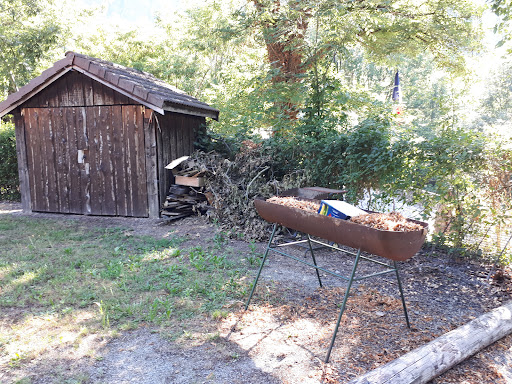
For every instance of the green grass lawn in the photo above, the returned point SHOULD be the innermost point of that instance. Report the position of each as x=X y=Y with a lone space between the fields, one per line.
x=62 y=275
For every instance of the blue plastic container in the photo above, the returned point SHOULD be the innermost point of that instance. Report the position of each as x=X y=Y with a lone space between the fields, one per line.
x=339 y=209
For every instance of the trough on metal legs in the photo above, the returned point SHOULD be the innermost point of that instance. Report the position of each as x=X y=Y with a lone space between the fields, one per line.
x=395 y=246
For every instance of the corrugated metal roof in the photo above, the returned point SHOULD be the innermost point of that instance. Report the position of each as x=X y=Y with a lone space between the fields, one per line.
x=138 y=85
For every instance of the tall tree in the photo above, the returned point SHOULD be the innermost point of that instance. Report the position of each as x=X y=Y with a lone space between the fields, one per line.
x=204 y=57
x=497 y=102
x=298 y=33
x=27 y=33
x=503 y=9
x=284 y=26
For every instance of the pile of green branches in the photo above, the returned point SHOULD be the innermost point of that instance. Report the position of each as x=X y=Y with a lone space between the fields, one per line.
x=233 y=185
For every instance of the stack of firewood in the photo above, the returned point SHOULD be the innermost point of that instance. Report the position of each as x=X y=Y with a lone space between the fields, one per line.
x=182 y=201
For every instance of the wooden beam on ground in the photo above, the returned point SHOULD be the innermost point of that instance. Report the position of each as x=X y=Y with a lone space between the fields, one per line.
x=431 y=360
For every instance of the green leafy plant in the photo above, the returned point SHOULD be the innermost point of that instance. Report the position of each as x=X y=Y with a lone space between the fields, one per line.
x=9 y=165
x=105 y=320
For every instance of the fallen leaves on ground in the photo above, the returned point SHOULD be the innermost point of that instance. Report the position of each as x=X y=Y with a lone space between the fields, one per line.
x=372 y=332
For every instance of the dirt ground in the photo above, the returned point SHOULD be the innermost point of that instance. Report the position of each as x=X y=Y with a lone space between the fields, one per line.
x=284 y=335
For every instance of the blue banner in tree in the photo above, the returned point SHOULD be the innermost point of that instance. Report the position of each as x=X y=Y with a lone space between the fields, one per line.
x=396 y=90
x=397 y=97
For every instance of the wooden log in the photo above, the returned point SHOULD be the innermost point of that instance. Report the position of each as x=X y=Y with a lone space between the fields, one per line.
x=441 y=354
x=171 y=204
x=190 y=181
x=176 y=215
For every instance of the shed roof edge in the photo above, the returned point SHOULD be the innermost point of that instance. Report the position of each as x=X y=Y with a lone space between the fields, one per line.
x=139 y=86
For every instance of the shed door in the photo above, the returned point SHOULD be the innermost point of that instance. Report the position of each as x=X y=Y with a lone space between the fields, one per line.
x=87 y=160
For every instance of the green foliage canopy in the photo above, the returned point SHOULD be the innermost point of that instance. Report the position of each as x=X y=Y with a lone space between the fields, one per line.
x=27 y=32
x=303 y=38
x=503 y=9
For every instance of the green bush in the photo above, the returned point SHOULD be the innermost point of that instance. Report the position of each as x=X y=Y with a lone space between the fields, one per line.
x=316 y=147
x=364 y=157
x=9 y=181
x=375 y=157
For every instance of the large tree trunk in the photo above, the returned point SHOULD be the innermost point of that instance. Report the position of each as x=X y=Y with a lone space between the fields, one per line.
x=284 y=34
x=431 y=360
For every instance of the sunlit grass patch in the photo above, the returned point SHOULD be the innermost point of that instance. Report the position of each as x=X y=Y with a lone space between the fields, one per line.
x=32 y=334
x=62 y=282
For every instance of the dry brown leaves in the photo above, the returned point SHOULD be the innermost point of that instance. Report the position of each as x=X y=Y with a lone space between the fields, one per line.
x=292 y=202
x=393 y=221
x=372 y=333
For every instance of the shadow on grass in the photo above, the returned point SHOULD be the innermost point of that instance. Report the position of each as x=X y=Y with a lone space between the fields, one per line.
x=144 y=357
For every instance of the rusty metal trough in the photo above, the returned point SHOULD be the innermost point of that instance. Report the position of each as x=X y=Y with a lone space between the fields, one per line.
x=395 y=246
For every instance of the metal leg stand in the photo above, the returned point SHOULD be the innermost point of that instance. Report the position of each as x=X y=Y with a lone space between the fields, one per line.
x=261 y=266
x=402 y=294
x=350 y=279
x=343 y=305
x=314 y=261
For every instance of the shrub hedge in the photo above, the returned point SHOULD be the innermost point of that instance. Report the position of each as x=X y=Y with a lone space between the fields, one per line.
x=9 y=181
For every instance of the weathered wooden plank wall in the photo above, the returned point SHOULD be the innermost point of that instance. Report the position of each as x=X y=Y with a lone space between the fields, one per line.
x=73 y=167
x=151 y=163
x=76 y=90
x=23 y=171
x=135 y=161
x=33 y=152
x=77 y=115
x=82 y=141
x=111 y=180
x=94 y=160
x=105 y=126
x=118 y=162
x=61 y=157
x=140 y=160
x=46 y=135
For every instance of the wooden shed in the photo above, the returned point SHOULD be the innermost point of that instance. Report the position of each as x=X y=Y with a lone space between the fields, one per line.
x=94 y=137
